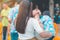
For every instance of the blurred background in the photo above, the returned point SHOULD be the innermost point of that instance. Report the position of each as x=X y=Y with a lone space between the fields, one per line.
x=51 y=5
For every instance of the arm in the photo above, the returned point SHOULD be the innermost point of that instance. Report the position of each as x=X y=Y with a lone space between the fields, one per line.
x=8 y=28
x=10 y=16
x=1 y=13
x=38 y=28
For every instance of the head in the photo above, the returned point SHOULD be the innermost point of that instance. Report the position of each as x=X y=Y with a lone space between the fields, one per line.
x=17 y=2
x=36 y=13
x=5 y=5
x=13 y=3
x=36 y=6
x=46 y=13
x=23 y=16
x=57 y=5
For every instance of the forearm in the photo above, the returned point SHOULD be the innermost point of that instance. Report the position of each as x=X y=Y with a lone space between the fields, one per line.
x=9 y=20
x=9 y=24
x=8 y=29
x=45 y=34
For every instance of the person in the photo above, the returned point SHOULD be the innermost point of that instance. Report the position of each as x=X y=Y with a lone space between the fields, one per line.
x=56 y=13
x=56 y=38
x=48 y=24
x=37 y=14
x=56 y=9
x=11 y=17
x=56 y=31
x=57 y=18
x=41 y=24
x=26 y=24
x=4 y=14
x=56 y=27
x=1 y=27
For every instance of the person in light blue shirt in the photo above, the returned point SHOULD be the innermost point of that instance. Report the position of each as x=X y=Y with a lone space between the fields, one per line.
x=11 y=17
x=48 y=23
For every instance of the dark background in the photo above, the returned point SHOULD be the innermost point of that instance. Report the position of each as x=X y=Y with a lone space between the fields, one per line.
x=43 y=4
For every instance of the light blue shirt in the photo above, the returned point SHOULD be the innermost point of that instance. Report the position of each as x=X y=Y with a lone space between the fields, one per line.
x=48 y=24
x=12 y=15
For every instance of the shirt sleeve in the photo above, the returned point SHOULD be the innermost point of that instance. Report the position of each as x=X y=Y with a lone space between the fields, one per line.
x=37 y=27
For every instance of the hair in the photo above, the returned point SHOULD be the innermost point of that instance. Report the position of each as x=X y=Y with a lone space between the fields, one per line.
x=36 y=6
x=12 y=2
x=6 y=3
x=23 y=16
x=18 y=1
x=46 y=13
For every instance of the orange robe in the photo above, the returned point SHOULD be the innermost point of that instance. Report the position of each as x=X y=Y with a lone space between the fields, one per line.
x=0 y=31
x=56 y=29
